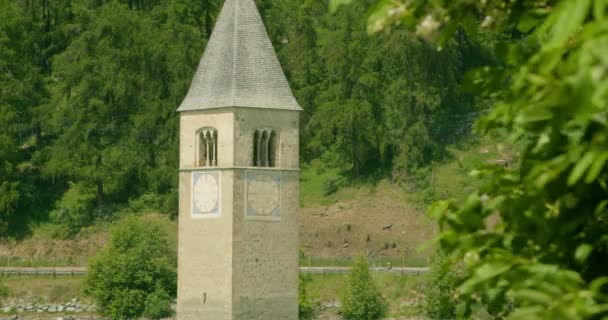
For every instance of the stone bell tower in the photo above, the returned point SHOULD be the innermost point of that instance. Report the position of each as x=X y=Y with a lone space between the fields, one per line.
x=239 y=179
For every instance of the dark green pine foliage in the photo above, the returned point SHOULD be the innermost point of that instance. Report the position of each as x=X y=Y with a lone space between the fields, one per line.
x=89 y=88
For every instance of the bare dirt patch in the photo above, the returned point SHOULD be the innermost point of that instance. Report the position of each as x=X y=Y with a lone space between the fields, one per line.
x=379 y=223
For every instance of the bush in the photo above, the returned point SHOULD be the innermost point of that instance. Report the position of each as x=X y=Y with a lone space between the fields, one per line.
x=136 y=273
x=439 y=291
x=4 y=292
x=330 y=187
x=148 y=202
x=73 y=211
x=158 y=305
x=307 y=308
x=362 y=300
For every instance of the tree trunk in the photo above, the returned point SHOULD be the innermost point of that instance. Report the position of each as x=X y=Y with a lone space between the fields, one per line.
x=208 y=26
x=37 y=133
x=356 y=159
x=99 y=193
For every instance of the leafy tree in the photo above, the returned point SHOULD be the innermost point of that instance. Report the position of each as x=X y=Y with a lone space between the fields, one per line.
x=136 y=273
x=73 y=211
x=89 y=91
x=362 y=300
x=546 y=255
x=386 y=97
x=17 y=89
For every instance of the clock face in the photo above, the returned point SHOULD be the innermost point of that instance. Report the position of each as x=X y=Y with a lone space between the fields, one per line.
x=205 y=193
x=263 y=194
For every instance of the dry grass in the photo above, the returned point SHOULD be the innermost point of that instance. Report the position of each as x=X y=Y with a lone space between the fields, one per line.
x=401 y=292
x=46 y=289
x=43 y=250
x=374 y=220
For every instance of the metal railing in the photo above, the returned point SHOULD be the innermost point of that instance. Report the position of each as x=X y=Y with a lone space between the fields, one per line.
x=81 y=271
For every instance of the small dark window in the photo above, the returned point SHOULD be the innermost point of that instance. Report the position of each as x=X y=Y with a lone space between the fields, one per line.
x=256 y=148
x=272 y=149
x=264 y=148
x=207 y=147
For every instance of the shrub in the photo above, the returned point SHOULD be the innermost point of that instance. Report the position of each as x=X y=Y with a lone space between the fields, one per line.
x=158 y=305
x=73 y=211
x=4 y=292
x=130 y=276
x=362 y=300
x=439 y=291
x=307 y=308
x=148 y=202
x=330 y=187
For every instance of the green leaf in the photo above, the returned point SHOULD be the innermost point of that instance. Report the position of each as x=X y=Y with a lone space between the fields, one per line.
x=527 y=22
x=527 y=313
x=599 y=9
x=582 y=252
x=598 y=284
x=572 y=14
x=533 y=114
x=580 y=168
x=596 y=167
x=437 y=209
x=601 y=207
x=533 y=296
x=380 y=16
x=335 y=4
x=484 y=273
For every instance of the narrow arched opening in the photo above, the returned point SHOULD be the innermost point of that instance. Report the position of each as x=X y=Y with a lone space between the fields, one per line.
x=256 y=148
x=207 y=147
x=264 y=149
x=210 y=149
x=202 y=150
x=272 y=149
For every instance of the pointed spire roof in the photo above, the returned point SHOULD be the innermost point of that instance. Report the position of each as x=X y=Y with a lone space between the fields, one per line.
x=239 y=67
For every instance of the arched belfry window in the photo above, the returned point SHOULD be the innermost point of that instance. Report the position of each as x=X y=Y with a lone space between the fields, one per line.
x=264 y=148
x=207 y=147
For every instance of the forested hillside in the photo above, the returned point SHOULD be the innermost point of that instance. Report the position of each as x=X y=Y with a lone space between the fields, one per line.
x=89 y=88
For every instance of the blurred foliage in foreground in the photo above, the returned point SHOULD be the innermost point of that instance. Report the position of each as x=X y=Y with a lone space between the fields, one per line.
x=533 y=240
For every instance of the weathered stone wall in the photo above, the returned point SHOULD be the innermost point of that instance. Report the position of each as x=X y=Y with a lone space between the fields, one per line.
x=233 y=267
x=265 y=270
x=284 y=122
x=205 y=245
x=220 y=119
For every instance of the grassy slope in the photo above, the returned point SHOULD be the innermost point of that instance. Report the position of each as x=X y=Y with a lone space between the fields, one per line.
x=46 y=289
x=333 y=228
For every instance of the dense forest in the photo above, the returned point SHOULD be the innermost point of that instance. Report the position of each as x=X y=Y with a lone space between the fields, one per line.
x=89 y=90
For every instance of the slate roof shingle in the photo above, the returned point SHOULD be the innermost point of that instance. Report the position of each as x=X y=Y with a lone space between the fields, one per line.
x=239 y=67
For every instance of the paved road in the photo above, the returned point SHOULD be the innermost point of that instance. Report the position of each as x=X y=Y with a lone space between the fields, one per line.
x=63 y=271
x=337 y=270
x=78 y=271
